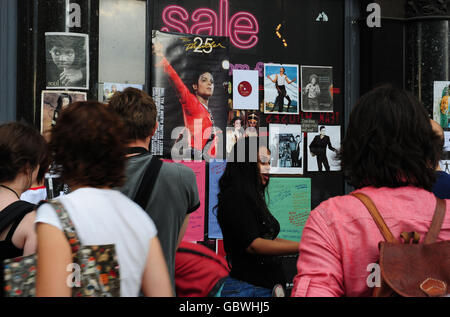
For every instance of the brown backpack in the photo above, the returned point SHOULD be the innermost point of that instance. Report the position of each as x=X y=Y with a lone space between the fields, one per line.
x=412 y=269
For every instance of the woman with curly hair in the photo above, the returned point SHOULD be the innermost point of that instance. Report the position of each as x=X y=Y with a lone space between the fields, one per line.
x=89 y=152
x=389 y=154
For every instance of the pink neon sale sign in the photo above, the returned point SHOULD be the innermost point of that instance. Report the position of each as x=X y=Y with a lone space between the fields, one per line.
x=242 y=27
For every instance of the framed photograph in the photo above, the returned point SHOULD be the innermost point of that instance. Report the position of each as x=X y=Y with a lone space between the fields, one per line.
x=322 y=149
x=317 y=88
x=281 y=89
x=67 y=60
x=286 y=149
x=52 y=103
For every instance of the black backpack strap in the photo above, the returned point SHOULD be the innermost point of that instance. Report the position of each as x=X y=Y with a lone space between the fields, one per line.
x=148 y=182
x=13 y=212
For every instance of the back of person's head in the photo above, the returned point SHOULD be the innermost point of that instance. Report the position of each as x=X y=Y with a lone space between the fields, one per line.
x=138 y=111
x=389 y=142
x=22 y=149
x=242 y=174
x=88 y=146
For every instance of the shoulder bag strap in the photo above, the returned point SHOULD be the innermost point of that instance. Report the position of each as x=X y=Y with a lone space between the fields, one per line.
x=148 y=182
x=68 y=227
x=436 y=223
x=387 y=234
x=14 y=211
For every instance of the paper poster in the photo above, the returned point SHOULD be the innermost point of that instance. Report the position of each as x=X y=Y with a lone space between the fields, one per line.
x=317 y=88
x=67 y=60
x=235 y=129
x=281 y=89
x=286 y=149
x=441 y=113
x=52 y=103
x=245 y=89
x=107 y=90
x=196 y=227
x=289 y=201
x=216 y=170
x=190 y=86
x=445 y=165
x=322 y=149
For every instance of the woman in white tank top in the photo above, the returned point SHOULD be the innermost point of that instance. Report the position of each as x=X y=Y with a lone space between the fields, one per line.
x=89 y=150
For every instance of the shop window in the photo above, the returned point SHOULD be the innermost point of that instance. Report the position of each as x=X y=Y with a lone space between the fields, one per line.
x=122 y=41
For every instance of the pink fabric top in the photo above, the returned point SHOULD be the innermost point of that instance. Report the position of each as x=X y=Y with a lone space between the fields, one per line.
x=340 y=238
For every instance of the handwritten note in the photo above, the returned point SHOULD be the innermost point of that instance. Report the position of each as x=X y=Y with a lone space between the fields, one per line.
x=289 y=200
x=216 y=170
x=196 y=227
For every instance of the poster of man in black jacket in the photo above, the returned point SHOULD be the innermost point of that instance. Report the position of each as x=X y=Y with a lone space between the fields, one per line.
x=318 y=149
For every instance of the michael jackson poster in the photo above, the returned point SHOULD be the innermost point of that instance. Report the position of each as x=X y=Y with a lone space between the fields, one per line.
x=190 y=89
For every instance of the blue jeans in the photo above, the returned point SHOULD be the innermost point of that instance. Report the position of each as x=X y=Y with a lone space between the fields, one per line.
x=236 y=288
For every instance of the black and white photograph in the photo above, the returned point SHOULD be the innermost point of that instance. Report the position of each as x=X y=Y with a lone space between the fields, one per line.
x=322 y=148
x=281 y=89
x=317 y=88
x=67 y=60
x=286 y=149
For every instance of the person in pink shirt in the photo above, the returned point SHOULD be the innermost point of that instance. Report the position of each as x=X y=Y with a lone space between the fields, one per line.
x=388 y=153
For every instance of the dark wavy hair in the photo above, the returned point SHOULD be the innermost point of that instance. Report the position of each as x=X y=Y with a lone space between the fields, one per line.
x=88 y=146
x=389 y=142
x=242 y=177
x=21 y=147
x=138 y=111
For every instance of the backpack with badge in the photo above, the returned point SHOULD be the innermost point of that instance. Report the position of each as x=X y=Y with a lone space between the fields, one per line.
x=95 y=268
x=411 y=269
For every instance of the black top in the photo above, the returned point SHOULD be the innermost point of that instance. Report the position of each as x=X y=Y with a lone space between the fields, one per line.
x=12 y=214
x=241 y=223
x=319 y=145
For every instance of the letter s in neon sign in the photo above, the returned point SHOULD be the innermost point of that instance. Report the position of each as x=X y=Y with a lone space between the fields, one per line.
x=168 y=17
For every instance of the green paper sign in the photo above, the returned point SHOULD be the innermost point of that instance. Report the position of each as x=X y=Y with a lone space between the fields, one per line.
x=289 y=201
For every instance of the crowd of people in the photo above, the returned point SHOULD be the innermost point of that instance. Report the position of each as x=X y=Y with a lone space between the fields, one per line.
x=122 y=195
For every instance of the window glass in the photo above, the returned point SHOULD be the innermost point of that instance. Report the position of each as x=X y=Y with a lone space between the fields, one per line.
x=122 y=41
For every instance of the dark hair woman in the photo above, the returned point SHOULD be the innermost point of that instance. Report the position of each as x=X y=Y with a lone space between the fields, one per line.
x=89 y=151
x=23 y=160
x=249 y=229
x=389 y=154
